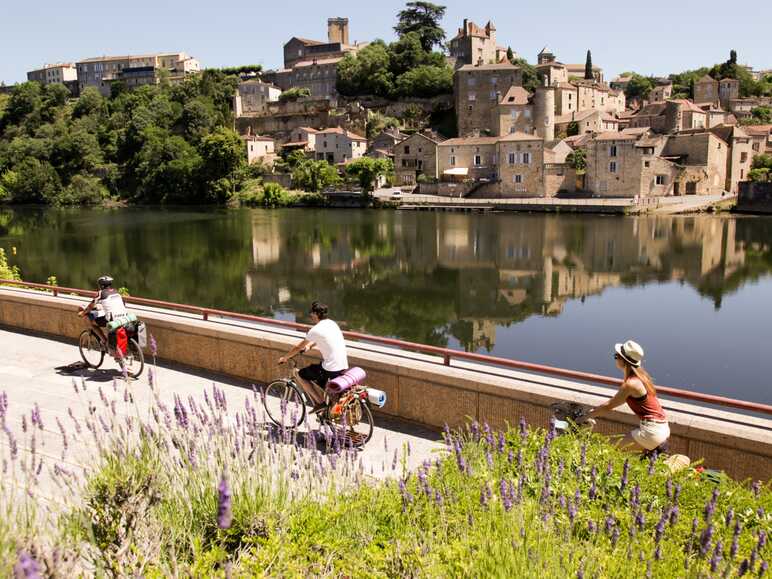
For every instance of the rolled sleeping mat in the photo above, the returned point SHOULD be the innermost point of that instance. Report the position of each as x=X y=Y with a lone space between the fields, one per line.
x=347 y=380
x=121 y=321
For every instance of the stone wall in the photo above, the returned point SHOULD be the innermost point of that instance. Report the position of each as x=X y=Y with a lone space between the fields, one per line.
x=419 y=387
x=755 y=197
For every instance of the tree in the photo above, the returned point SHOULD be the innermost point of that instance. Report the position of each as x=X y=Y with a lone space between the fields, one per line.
x=367 y=72
x=34 y=182
x=294 y=94
x=638 y=87
x=90 y=102
x=367 y=170
x=572 y=129
x=510 y=54
x=732 y=56
x=423 y=18
x=531 y=78
x=426 y=82
x=222 y=152
x=314 y=176
x=577 y=160
x=588 y=73
x=761 y=168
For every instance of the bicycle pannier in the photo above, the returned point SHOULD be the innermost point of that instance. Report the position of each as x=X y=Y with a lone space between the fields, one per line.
x=142 y=335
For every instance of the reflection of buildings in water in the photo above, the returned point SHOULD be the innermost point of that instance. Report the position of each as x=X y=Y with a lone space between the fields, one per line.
x=483 y=335
x=266 y=238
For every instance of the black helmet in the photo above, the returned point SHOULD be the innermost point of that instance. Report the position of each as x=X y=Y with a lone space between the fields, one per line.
x=105 y=281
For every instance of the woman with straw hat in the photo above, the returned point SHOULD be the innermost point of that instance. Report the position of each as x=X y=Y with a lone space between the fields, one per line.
x=637 y=390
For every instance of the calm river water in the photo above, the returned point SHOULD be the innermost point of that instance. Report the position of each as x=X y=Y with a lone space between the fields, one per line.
x=560 y=290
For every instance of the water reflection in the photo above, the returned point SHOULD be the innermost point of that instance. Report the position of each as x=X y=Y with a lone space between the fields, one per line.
x=514 y=285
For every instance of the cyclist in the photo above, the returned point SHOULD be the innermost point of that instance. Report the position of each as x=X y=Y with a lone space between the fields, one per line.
x=105 y=307
x=326 y=337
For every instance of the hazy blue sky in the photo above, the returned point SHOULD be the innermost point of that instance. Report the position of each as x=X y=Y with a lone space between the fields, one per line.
x=655 y=37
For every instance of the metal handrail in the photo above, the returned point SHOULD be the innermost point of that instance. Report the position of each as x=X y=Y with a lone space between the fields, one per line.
x=445 y=353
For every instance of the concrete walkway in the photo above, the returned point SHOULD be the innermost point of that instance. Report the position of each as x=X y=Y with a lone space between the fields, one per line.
x=32 y=371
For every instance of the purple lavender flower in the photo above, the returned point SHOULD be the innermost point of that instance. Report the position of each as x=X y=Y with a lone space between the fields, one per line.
x=571 y=512
x=475 y=430
x=523 y=428
x=705 y=540
x=484 y=496
x=669 y=488
x=729 y=517
x=489 y=458
x=510 y=457
x=593 y=491
x=659 y=529
x=583 y=457
x=26 y=567
x=153 y=346
x=640 y=520
x=592 y=527
x=24 y=423
x=677 y=493
x=762 y=540
x=520 y=458
x=735 y=546
x=224 y=512
x=615 y=536
x=674 y=515
x=502 y=442
x=625 y=474
x=657 y=554
x=763 y=568
x=743 y=569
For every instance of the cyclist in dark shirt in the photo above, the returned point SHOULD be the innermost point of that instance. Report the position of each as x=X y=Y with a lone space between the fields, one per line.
x=105 y=307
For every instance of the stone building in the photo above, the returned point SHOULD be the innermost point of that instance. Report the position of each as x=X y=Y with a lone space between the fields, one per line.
x=703 y=157
x=521 y=162
x=101 y=71
x=312 y=64
x=337 y=146
x=587 y=121
x=661 y=93
x=671 y=116
x=556 y=72
x=473 y=44
x=478 y=89
x=740 y=156
x=706 y=90
x=728 y=90
x=382 y=145
x=578 y=96
x=260 y=149
x=54 y=73
x=415 y=156
x=252 y=97
x=515 y=112
x=469 y=158
x=761 y=139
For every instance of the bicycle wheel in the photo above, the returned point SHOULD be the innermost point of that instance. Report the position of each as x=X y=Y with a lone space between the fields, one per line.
x=134 y=360
x=358 y=421
x=91 y=349
x=284 y=404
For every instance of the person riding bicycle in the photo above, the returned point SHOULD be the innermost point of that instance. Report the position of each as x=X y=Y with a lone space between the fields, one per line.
x=326 y=337
x=105 y=307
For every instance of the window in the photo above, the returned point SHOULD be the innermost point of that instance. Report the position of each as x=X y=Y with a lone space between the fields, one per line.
x=661 y=179
x=472 y=81
x=512 y=158
x=419 y=149
x=513 y=114
x=519 y=185
x=494 y=80
x=647 y=163
x=472 y=97
x=407 y=149
x=743 y=157
x=527 y=113
x=518 y=178
x=612 y=151
x=477 y=160
x=452 y=160
x=526 y=158
x=470 y=107
x=612 y=167
x=494 y=95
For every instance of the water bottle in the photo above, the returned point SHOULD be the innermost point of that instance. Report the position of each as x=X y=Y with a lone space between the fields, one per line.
x=376 y=397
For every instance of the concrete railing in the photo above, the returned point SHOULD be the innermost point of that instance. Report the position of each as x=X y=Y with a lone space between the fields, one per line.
x=420 y=387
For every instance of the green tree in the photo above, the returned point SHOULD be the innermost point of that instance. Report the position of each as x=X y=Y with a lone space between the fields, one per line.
x=423 y=18
x=577 y=159
x=510 y=54
x=294 y=94
x=531 y=78
x=222 y=152
x=761 y=168
x=90 y=102
x=639 y=86
x=588 y=73
x=408 y=53
x=314 y=176
x=426 y=81
x=25 y=101
x=367 y=171
x=367 y=72
x=34 y=181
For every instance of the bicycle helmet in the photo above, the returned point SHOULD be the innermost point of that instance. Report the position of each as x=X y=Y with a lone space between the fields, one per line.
x=105 y=281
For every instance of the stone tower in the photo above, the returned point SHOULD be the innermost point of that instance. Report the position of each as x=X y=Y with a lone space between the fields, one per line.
x=544 y=117
x=337 y=30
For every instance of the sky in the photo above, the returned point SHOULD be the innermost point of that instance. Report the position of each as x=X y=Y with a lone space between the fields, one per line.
x=656 y=37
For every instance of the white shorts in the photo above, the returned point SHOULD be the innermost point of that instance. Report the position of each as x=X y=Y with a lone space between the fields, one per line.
x=651 y=434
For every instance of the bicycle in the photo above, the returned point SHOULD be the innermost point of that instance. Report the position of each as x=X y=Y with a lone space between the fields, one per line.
x=93 y=349
x=350 y=410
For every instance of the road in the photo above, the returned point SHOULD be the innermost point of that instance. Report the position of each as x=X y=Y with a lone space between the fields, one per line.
x=34 y=371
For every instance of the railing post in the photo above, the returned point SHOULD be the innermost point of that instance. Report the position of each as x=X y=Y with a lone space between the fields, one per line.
x=206 y=315
x=446 y=359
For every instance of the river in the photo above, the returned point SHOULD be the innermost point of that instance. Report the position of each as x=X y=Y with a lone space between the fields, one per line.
x=561 y=290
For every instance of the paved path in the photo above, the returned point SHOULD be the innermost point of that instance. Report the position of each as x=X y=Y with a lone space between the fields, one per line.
x=31 y=373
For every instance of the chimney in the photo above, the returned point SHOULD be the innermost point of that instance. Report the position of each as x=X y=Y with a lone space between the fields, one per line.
x=337 y=30
x=466 y=26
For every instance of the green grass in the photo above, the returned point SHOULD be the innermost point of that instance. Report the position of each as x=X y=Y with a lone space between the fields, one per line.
x=516 y=504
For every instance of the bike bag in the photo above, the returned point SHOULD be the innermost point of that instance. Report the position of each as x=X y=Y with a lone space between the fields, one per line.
x=142 y=335
x=119 y=341
x=347 y=380
x=120 y=322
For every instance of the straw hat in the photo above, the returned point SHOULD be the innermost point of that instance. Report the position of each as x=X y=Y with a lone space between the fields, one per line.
x=631 y=352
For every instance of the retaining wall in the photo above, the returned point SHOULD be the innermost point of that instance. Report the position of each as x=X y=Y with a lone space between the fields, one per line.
x=419 y=387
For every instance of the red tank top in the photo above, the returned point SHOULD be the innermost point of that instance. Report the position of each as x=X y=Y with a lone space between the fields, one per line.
x=647 y=407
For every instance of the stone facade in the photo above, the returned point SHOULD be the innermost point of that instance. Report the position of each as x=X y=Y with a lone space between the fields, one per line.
x=556 y=72
x=671 y=116
x=253 y=96
x=260 y=150
x=54 y=73
x=521 y=162
x=415 y=156
x=516 y=114
x=383 y=143
x=319 y=76
x=101 y=71
x=590 y=121
x=338 y=146
x=473 y=44
x=473 y=158
x=661 y=93
x=706 y=90
x=478 y=90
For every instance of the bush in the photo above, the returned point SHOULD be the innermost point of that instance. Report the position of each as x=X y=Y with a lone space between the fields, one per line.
x=294 y=94
x=83 y=190
x=7 y=271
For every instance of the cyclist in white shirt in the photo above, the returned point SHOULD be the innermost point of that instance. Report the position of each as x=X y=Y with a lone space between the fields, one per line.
x=105 y=307
x=326 y=337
